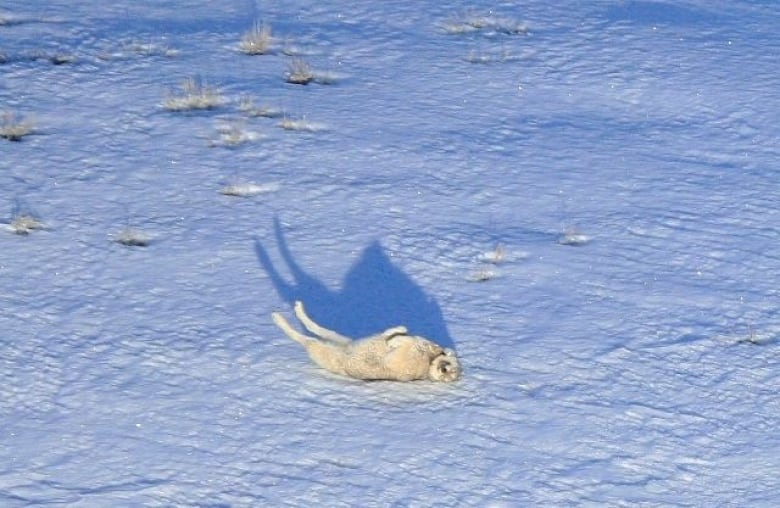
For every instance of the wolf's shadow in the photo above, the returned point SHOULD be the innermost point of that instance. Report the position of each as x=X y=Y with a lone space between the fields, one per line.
x=375 y=295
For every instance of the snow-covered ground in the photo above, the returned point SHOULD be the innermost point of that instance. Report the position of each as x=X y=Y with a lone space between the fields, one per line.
x=580 y=197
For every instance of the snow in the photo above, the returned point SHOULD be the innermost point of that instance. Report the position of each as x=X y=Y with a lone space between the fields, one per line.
x=580 y=198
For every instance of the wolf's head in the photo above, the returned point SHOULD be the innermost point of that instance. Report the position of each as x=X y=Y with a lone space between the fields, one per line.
x=445 y=367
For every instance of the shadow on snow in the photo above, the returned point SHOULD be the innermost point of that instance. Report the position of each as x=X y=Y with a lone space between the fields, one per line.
x=375 y=295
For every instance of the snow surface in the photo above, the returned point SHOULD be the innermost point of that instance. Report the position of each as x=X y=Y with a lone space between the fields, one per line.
x=620 y=347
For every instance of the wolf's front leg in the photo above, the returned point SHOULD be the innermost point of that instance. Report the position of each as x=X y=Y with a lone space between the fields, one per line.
x=393 y=332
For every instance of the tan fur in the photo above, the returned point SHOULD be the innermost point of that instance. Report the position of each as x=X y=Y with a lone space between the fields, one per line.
x=392 y=354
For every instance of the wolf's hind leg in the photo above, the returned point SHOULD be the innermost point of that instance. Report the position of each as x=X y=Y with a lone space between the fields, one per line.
x=291 y=332
x=316 y=329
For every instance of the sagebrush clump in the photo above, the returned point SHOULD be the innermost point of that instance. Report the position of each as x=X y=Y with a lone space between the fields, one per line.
x=303 y=125
x=299 y=72
x=256 y=41
x=488 y=24
x=248 y=189
x=131 y=237
x=13 y=127
x=247 y=106
x=573 y=237
x=194 y=96
x=233 y=133
x=24 y=224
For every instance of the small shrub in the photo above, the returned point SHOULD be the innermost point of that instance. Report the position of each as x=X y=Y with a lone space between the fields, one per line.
x=24 y=224
x=299 y=72
x=490 y=57
x=194 y=96
x=454 y=27
x=483 y=275
x=290 y=124
x=13 y=127
x=509 y=26
x=132 y=237
x=234 y=133
x=573 y=238
x=248 y=189
x=53 y=58
x=149 y=49
x=495 y=256
x=487 y=24
x=256 y=41
x=247 y=106
x=61 y=58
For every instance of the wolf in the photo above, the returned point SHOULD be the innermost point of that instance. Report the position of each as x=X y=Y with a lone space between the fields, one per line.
x=390 y=355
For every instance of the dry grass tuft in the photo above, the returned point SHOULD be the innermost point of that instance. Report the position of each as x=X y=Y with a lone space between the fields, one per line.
x=248 y=189
x=133 y=48
x=149 y=49
x=490 y=57
x=755 y=339
x=456 y=27
x=233 y=133
x=302 y=125
x=195 y=96
x=299 y=72
x=61 y=58
x=573 y=238
x=495 y=256
x=58 y=58
x=247 y=106
x=486 y=24
x=256 y=41
x=483 y=275
x=132 y=237
x=24 y=224
x=13 y=127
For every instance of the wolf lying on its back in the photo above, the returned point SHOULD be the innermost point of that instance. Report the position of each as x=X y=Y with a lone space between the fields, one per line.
x=392 y=354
